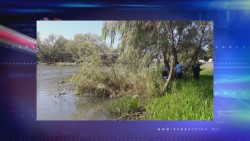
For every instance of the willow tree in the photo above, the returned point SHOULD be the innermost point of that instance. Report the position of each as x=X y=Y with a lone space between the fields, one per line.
x=175 y=41
x=137 y=41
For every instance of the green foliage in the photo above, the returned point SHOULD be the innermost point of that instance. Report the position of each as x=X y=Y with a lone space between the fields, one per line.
x=123 y=105
x=133 y=82
x=116 y=80
x=52 y=49
x=58 y=49
x=185 y=100
x=182 y=41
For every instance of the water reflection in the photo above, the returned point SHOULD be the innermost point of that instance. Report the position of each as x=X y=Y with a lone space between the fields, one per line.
x=90 y=108
x=51 y=105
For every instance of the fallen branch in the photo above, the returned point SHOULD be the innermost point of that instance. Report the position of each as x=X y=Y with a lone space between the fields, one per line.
x=129 y=115
x=139 y=113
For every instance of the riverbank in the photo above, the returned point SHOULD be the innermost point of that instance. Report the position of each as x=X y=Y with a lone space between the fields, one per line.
x=59 y=63
x=185 y=100
x=136 y=95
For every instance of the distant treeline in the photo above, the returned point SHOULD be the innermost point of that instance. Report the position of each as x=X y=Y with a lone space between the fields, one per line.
x=59 y=49
x=140 y=44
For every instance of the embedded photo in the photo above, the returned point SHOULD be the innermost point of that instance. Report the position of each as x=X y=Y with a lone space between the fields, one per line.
x=125 y=70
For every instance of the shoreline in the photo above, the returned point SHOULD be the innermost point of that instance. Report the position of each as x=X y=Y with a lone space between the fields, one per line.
x=58 y=64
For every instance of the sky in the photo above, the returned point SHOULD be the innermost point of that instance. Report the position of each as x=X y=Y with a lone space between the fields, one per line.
x=69 y=29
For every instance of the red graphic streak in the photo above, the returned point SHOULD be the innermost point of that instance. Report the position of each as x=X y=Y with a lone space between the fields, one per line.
x=16 y=39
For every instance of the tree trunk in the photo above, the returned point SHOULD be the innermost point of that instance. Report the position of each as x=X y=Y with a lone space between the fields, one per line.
x=165 y=60
x=170 y=75
x=173 y=57
x=195 y=56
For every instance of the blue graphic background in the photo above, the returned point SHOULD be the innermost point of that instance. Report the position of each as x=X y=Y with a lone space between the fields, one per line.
x=231 y=71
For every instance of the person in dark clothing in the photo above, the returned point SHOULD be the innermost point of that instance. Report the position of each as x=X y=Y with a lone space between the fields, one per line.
x=165 y=72
x=178 y=71
x=196 y=71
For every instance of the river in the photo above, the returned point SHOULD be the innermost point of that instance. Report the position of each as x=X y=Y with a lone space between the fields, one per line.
x=67 y=106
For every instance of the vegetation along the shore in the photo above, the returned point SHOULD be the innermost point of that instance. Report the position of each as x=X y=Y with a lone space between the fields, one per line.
x=129 y=77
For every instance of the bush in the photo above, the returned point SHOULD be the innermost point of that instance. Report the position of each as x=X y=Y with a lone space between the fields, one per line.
x=116 y=80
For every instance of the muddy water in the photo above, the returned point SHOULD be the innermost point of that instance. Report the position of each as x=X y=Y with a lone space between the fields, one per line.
x=53 y=106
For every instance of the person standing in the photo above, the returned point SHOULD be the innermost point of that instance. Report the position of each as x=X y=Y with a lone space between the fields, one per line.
x=165 y=72
x=196 y=71
x=178 y=71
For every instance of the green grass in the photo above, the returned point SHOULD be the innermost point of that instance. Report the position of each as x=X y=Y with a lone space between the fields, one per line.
x=185 y=100
x=123 y=105
x=208 y=70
